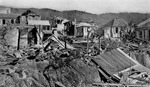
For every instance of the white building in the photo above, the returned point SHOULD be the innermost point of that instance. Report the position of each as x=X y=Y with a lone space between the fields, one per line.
x=5 y=10
x=113 y=28
x=82 y=29
x=7 y=19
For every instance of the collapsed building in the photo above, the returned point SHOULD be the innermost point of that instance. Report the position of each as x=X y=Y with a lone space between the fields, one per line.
x=65 y=26
x=30 y=29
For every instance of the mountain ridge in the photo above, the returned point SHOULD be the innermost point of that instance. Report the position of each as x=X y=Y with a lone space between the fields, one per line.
x=99 y=19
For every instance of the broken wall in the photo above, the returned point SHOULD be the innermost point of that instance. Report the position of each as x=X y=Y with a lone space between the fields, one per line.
x=23 y=38
x=11 y=37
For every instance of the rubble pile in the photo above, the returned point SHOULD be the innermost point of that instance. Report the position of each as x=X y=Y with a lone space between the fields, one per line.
x=35 y=68
x=53 y=66
x=34 y=53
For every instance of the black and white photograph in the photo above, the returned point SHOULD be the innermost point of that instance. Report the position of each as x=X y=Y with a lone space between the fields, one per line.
x=74 y=43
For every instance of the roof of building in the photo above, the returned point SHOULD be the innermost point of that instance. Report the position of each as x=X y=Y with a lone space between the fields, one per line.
x=29 y=12
x=65 y=20
x=83 y=24
x=38 y=22
x=8 y=16
x=117 y=22
x=114 y=61
x=145 y=24
x=59 y=18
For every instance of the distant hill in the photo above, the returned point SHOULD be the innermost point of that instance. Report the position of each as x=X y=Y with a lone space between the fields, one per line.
x=99 y=19
x=45 y=13
x=129 y=17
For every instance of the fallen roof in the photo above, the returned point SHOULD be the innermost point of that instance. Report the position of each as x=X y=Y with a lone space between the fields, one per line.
x=38 y=22
x=114 y=61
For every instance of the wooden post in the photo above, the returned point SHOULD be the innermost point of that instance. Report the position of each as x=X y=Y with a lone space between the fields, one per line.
x=40 y=36
x=75 y=30
x=99 y=44
x=40 y=42
x=88 y=41
x=143 y=34
x=18 y=45
x=65 y=42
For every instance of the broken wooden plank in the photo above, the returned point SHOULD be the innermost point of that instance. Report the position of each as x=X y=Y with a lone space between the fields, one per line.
x=118 y=84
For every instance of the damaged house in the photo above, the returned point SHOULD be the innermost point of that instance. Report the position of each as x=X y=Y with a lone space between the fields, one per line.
x=66 y=27
x=42 y=28
x=28 y=15
x=113 y=28
x=70 y=28
x=32 y=30
x=58 y=23
x=82 y=29
x=7 y=19
x=35 y=33
x=143 y=30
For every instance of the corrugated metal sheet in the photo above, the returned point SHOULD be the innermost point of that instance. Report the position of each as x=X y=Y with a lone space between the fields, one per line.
x=38 y=22
x=114 y=61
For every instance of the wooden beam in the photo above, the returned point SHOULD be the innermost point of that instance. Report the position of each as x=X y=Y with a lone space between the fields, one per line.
x=119 y=84
x=88 y=42
x=18 y=45
x=75 y=30
x=99 y=40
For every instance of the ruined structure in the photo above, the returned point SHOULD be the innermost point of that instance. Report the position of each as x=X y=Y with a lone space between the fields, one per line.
x=142 y=30
x=113 y=28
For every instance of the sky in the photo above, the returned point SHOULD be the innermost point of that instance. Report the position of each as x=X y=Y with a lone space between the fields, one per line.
x=91 y=6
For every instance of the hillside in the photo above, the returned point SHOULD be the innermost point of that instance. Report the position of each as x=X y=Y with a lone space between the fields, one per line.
x=99 y=19
x=134 y=17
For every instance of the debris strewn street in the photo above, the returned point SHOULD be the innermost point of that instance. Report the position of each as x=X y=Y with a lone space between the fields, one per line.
x=60 y=52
